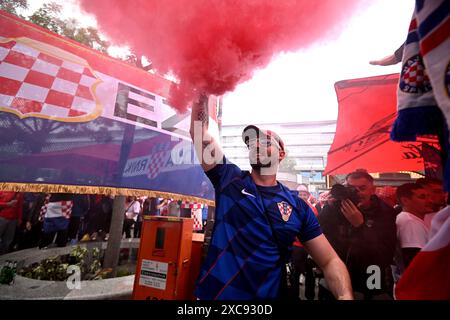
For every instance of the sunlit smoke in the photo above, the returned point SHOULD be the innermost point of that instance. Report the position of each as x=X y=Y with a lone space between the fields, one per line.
x=213 y=45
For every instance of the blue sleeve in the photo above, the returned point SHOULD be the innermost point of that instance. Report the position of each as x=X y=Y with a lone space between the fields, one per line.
x=310 y=225
x=223 y=173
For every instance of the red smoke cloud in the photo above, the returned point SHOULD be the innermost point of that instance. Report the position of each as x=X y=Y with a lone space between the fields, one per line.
x=213 y=45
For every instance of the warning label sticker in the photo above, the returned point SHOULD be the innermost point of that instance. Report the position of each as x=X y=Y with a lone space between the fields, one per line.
x=153 y=274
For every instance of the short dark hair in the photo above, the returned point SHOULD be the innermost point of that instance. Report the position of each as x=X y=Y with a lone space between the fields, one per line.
x=427 y=181
x=358 y=174
x=406 y=190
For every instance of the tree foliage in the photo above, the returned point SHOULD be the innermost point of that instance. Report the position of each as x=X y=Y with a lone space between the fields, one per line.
x=12 y=6
x=49 y=17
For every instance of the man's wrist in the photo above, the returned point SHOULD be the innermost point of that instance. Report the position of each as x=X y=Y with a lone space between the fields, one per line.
x=347 y=296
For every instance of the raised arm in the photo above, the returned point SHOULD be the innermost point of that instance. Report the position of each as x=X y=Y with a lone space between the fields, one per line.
x=207 y=149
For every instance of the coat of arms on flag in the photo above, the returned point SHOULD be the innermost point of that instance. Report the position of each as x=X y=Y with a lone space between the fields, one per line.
x=43 y=81
x=285 y=210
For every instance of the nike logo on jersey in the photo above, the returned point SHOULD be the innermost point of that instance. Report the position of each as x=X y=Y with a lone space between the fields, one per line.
x=247 y=194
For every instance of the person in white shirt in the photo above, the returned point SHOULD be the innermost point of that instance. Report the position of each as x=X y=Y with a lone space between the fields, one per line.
x=412 y=230
x=133 y=209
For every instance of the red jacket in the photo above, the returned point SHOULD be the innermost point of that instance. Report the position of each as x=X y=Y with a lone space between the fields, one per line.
x=11 y=213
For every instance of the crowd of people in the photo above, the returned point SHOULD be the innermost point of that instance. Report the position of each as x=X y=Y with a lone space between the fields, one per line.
x=359 y=244
x=138 y=207
x=374 y=231
x=41 y=220
x=371 y=230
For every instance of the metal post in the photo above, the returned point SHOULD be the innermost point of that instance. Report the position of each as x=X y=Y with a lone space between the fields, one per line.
x=115 y=235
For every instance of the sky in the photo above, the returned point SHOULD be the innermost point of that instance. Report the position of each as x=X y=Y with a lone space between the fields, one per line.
x=299 y=86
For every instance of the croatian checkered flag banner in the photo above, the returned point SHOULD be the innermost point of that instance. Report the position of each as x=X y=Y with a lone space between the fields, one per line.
x=158 y=158
x=39 y=80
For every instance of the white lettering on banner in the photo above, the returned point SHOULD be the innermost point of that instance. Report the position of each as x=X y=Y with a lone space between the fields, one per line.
x=136 y=167
x=153 y=274
x=182 y=153
x=126 y=103
x=181 y=157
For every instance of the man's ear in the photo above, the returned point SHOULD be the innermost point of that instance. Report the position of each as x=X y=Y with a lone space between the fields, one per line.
x=282 y=155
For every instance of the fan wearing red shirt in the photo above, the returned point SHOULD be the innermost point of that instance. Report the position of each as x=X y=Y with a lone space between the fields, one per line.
x=10 y=217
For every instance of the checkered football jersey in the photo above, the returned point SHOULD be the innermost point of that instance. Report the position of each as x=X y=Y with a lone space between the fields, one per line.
x=196 y=214
x=244 y=260
x=57 y=215
x=36 y=83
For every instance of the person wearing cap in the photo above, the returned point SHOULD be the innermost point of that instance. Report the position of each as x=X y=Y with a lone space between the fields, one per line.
x=257 y=219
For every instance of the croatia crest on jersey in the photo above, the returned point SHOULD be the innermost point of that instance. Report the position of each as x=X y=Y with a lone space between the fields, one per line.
x=285 y=210
x=43 y=81
x=414 y=78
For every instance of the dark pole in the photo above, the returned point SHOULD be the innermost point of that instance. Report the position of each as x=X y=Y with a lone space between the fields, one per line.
x=116 y=229
x=115 y=235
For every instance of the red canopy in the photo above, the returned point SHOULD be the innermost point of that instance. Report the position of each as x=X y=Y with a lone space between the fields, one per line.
x=367 y=110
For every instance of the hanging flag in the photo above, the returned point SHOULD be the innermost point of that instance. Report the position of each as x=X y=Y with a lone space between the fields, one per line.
x=40 y=80
x=423 y=93
x=74 y=120
x=428 y=275
x=367 y=110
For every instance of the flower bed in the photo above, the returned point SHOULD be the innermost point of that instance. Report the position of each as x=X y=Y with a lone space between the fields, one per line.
x=42 y=273
x=56 y=268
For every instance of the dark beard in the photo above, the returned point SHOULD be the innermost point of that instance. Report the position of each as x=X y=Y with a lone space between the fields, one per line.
x=258 y=166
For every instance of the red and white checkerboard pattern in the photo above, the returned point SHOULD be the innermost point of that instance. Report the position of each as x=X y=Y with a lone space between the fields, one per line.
x=285 y=210
x=156 y=162
x=158 y=159
x=34 y=82
x=66 y=208
x=196 y=214
x=416 y=76
x=43 y=210
x=191 y=205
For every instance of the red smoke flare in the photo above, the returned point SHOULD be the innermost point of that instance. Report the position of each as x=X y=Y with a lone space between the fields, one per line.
x=213 y=45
